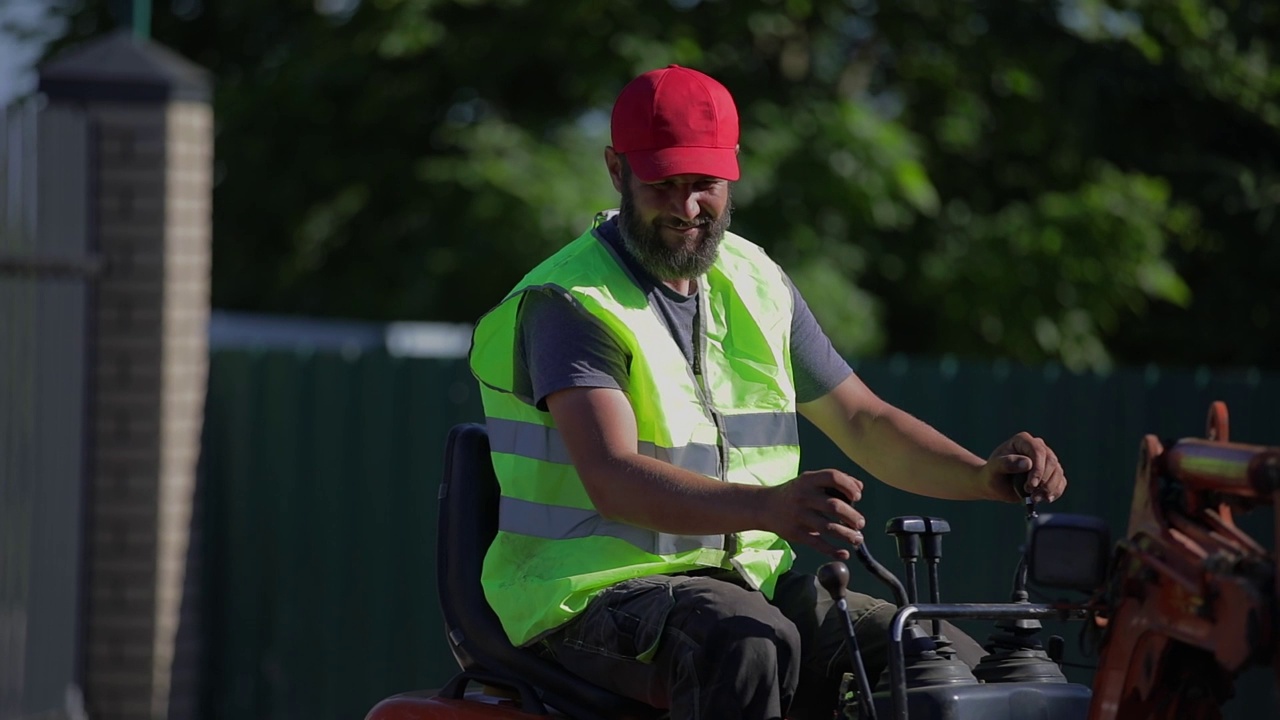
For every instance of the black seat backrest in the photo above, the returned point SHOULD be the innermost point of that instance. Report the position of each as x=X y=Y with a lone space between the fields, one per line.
x=468 y=523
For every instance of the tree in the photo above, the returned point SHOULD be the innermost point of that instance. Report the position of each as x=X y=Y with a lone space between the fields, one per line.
x=1076 y=180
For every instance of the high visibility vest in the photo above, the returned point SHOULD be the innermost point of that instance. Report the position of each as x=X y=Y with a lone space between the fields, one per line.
x=731 y=416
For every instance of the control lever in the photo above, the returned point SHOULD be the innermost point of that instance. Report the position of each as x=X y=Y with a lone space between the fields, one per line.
x=1014 y=655
x=882 y=574
x=935 y=528
x=907 y=531
x=1019 y=481
x=932 y=663
x=913 y=534
x=834 y=578
x=873 y=567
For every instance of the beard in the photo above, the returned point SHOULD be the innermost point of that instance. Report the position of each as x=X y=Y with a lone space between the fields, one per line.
x=685 y=261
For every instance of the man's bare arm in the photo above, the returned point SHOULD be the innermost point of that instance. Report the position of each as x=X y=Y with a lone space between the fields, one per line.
x=910 y=455
x=599 y=429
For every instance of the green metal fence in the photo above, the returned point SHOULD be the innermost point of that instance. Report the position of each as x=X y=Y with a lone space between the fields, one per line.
x=320 y=477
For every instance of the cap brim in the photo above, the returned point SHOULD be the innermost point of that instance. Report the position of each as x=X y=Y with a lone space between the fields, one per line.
x=655 y=165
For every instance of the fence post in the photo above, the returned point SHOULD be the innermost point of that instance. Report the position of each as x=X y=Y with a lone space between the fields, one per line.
x=150 y=172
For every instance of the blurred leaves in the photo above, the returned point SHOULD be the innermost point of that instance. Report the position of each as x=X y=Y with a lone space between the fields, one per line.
x=1045 y=278
x=1090 y=181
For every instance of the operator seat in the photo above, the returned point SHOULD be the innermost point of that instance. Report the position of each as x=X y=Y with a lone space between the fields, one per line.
x=468 y=523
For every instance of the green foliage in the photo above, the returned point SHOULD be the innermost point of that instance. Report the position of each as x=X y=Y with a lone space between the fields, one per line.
x=1083 y=180
x=1014 y=278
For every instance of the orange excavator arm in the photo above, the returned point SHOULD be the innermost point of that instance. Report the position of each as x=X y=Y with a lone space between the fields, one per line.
x=1191 y=599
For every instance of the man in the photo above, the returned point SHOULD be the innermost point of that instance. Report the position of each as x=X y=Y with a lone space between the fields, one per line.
x=641 y=388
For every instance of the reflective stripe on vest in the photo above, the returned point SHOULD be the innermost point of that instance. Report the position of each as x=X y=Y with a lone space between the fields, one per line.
x=761 y=429
x=539 y=442
x=553 y=522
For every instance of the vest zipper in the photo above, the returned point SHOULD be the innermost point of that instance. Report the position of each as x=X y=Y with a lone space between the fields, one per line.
x=722 y=441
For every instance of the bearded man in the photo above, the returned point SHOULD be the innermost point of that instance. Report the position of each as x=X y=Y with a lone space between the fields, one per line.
x=641 y=389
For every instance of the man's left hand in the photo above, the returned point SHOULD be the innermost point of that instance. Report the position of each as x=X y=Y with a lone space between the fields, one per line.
x=1024 y=453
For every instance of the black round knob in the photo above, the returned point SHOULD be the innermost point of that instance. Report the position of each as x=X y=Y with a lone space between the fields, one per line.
x=834 y=578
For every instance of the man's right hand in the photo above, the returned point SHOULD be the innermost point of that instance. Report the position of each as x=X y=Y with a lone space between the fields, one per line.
x=599 y=429
x=816 y=509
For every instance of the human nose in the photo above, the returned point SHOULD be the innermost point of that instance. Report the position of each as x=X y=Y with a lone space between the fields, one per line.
x=684 y=203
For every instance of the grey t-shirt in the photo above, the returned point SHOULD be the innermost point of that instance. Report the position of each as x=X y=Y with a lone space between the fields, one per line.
x=560 y=347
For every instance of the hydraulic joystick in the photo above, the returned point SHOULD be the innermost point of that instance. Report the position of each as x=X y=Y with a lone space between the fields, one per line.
x=1015 y=654
x=915 y=536
x=930 y=660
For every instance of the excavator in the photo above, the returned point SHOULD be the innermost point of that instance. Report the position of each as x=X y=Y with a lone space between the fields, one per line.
x=1177 y=609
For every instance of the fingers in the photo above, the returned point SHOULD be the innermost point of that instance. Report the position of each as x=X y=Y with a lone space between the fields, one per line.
x=845 y=514
x=1046 y=480
x=823 y=534
x=826 y=536
x=1054 y=481
x=838 y=484
x=839 y=493
x=816 y=542
x=1013 y=480
x=1036 y=451
x=837 y=529
x=841 y=513
x=1015 y=464
x=821 y=514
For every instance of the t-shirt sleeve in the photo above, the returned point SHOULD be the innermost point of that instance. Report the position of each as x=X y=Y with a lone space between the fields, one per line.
x=562 y=347
x=818 y=368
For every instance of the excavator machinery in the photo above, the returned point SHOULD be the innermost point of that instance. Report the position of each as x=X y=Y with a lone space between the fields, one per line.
x=1177 y=609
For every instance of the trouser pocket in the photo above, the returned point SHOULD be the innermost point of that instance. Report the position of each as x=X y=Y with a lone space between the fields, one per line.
x=625 y=621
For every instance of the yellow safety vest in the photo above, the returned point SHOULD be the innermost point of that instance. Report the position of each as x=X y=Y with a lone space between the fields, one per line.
x=730 y=416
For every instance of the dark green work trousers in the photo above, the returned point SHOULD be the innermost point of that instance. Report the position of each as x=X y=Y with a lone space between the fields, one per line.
x=706 y=646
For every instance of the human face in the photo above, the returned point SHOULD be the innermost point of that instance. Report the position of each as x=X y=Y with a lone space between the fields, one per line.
x=674 y=227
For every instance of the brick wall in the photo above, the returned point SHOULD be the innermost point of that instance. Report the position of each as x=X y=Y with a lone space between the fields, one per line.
x=185 y=364
x=153 y=304
x=124 y=504
x=151 y=177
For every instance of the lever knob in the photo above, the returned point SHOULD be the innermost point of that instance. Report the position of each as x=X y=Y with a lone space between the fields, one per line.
x=935 y=528
x=834 y=578
x=907 y=530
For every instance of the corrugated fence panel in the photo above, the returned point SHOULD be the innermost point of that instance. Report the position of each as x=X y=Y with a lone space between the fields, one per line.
x=44 y=385
x=322 y=473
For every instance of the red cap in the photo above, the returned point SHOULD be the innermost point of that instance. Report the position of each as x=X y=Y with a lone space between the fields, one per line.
x=676 y=121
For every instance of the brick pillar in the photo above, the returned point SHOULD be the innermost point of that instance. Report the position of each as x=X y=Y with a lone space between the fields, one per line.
x=150 y=172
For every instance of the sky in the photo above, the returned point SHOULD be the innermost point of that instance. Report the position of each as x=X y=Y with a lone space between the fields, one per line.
x=17 y=74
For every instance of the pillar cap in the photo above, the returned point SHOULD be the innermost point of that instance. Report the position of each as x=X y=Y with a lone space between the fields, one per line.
x=120 y=67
